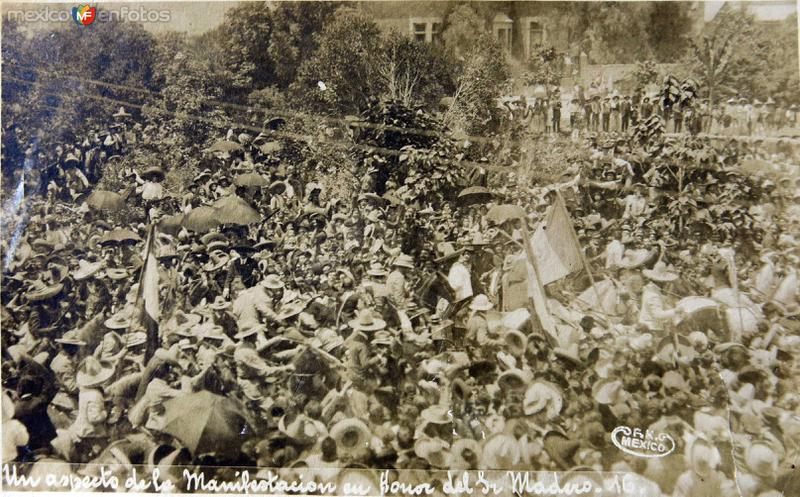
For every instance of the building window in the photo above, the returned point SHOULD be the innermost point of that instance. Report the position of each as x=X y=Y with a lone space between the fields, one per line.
x=420 y=31
x=536 y=35
x=427 y=29
x=504 y=37
x=436 y=32
x=501 y=25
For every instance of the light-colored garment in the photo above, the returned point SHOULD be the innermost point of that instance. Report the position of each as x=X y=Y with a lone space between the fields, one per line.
x=396 y=286
x=692 y=485
x=652 y=313
x=152 y=405
x=250 y=306
x=460 y=281
x=64 y=368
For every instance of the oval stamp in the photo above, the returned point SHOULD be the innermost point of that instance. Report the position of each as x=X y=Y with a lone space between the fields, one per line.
x=640 y=443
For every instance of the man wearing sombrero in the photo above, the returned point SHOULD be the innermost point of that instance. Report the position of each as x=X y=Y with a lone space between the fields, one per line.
x=653 y=316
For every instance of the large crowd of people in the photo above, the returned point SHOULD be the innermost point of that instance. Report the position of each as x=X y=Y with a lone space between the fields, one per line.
x=615 y=112
x=301 y=330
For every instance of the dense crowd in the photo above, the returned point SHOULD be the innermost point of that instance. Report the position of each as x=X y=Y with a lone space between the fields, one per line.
x=302 y=330
x=614 y=112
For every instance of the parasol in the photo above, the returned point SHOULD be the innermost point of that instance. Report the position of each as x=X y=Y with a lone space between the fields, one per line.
x=702 y=314
x=171 y=224
x=235 y=210
x=540 y=91
x=270 y=147
x=474 y=195
x=206 y=423
x=105 y=200
x=119 y=235
x=224 y=146
x=502 y=213
x=201 y=219
x=250 y=179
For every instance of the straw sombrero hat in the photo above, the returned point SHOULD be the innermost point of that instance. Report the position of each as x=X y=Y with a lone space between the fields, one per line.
x=135 y=338
x=85 y=269
x=71 y=337
x=351 y=435
x=661 y=272
x=119 y=321
x=41 y=291
x=93 y=372
x=366 y=322
x=501 y=451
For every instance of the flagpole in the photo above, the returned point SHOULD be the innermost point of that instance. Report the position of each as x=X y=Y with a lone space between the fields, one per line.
x=151 y=340
x=540 y=306
x=575 y=240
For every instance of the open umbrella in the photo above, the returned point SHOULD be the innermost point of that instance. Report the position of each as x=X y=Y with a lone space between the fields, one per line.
x=206 y=423
x=250 y=179
x=474 y=195
x=171 y=224
x=503 y=212
x=702 y=314
x=270 y=147
x=201 y=219
x=120 y=235
x=105 y=200
x=224 y=146
x=539 y=91
x=235 y=210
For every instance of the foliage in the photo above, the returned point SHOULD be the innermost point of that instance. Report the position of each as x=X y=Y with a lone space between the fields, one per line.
x=244 y=39
x=413 y=72
x=482 y=81
x=675 y=93
x=115 y=52
x=187 y=84
x=344 y=63
x=545 y=67
x=293 y=35
x=459 y=31
x=270 y=97
x=396 y=114
x=646 y=73
x=701 y=195
x=782 y=81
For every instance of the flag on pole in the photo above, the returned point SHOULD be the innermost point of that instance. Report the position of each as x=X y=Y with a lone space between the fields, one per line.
x=554 y=246
x=147 y=300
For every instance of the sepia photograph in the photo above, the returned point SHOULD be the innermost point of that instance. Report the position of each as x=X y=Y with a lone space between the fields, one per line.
x=401 y=248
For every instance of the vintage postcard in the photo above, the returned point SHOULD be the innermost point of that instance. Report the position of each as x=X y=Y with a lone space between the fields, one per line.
x=401 y=248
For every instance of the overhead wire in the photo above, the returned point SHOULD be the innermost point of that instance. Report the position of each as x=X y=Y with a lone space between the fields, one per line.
x=283 y=134
x=272 y=111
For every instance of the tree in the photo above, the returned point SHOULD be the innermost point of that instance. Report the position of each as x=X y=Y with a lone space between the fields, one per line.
x=413 y=72
x=295 y=25
x=645 y=74
x=244 y=40
x=482 y=82
x=187 y=83
x=782 y=81
x=341 y=74
x=728 y=58
x=460 y=29
x=545 y=67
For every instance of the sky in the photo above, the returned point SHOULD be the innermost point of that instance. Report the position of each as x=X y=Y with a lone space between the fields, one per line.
x=764 y=11
x=198 y=17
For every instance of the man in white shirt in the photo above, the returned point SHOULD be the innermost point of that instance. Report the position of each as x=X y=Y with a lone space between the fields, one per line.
x=460 y=279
